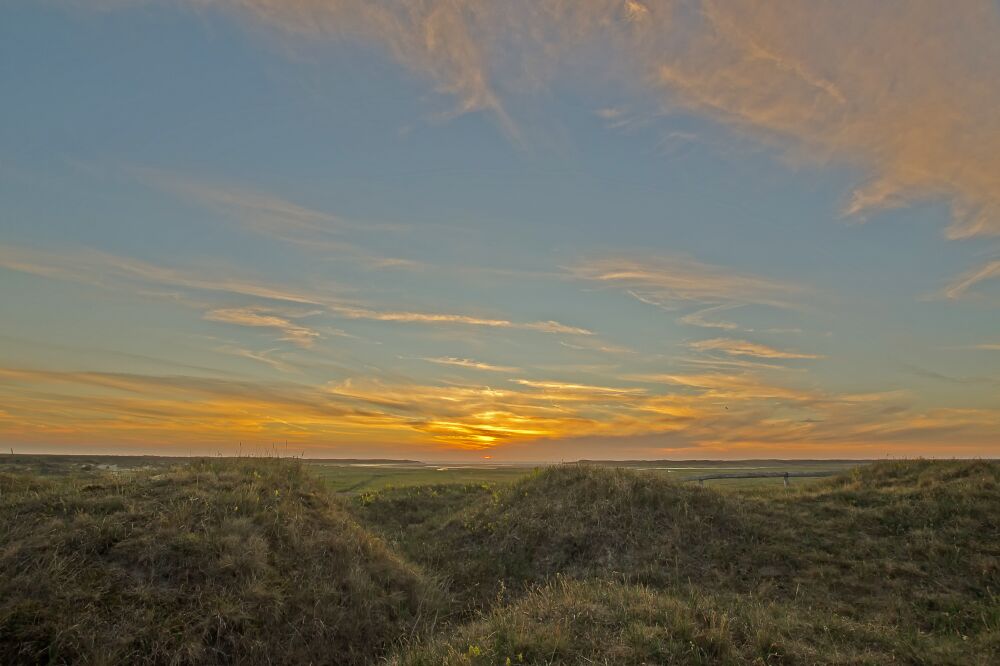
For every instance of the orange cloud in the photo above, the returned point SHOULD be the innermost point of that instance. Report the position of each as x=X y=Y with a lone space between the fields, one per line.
x=718 y=412
x=698 y=318
x=828 y=80
x=258 y=317
x=464 y=320
x=469 y=363
x=114 y=272
x=745 y=348
x=670 y=281
x=563 y=387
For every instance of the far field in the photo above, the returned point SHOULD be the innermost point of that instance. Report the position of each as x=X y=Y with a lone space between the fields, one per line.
x=351 y=477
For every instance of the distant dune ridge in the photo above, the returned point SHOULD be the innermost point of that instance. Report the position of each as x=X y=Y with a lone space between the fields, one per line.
x=255 y=561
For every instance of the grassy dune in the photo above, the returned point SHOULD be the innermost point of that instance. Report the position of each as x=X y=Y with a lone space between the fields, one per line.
x=248 y=562
x=908 y=553
x=258 y=562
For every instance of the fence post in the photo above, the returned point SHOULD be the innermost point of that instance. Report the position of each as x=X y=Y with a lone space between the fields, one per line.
x=786 y=479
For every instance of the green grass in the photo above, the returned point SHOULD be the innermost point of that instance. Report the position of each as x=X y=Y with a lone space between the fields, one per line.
x=267 y=561
x=688 y=470
x=361 y=478
x=368 y=477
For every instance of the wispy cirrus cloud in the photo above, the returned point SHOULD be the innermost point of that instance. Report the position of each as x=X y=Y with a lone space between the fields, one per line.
x=571 y=388
x=669 y=282
x=470 y=363
x=963 y=284
x=258 y=317
x=701 y=318
x=822 y=81
x=442 y=40
x=351 y=312
x=266 y=356
x=726 y=385
x=747 y=348
x=110 y=271
x=277 y=217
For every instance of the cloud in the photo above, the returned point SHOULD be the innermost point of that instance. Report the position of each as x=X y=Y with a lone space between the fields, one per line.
x=454 y=319
x=278 y=218
x=610 y=113
x=266 y=357
x=698 y=318
x=469 y=363
x=447 y=41
x=727 y=414
x=905 y=90
x=839 y=81
x=564 y=387
x=940 y=376
x=179 y=411
x=257 y=208
x=960 y=286
x=726 y=386
x=582 y=344
x=109 y=271
x=261 y=318
x=114 y=272
x=746 y=348
x=667 y=282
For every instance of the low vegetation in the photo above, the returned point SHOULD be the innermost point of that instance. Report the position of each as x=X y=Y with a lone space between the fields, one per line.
x=604 y=622
x=222 y=562
x=257 y=562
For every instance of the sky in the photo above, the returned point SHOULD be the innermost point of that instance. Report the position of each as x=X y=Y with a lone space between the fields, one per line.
x=515 y=231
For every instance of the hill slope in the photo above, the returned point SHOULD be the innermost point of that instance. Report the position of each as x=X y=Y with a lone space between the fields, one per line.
x=907 y=549
x=256 y=562
x=238 y=562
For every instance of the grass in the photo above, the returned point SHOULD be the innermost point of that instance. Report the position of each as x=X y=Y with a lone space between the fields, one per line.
x=238 y=562
x=361 y=478
x=604 y=622
x=260 y=561
x=355 y=478
x=909 y=550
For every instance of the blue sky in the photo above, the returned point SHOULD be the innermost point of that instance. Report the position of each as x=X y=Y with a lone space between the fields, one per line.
x=429 y=231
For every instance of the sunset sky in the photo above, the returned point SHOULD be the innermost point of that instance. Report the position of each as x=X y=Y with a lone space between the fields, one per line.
x=531 y=230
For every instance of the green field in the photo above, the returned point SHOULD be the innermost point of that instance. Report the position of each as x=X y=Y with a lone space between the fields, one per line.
x=356 y=476
x=367 y=477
